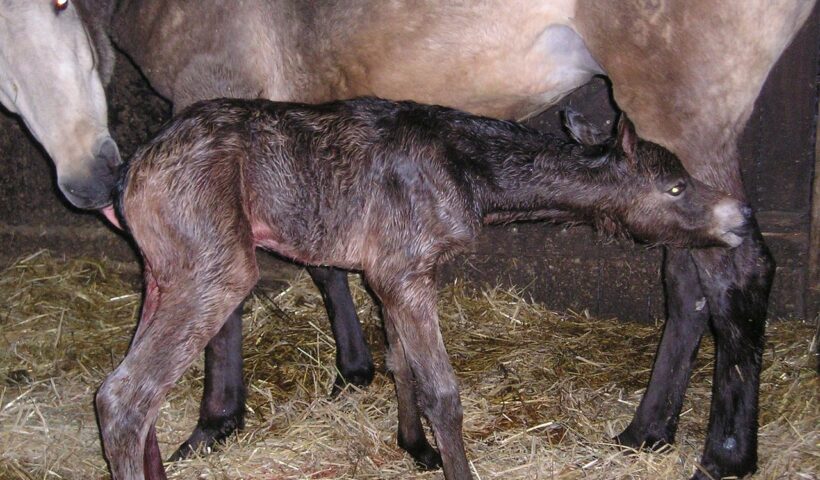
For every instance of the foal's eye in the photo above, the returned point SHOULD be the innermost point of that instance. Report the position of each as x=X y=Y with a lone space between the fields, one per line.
x=677 y=189
x=60 y=5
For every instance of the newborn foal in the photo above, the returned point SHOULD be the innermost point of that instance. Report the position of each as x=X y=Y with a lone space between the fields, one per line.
x=382 y=187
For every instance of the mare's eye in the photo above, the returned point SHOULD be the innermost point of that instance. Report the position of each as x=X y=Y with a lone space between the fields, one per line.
x=60 y=5
x=676 y=189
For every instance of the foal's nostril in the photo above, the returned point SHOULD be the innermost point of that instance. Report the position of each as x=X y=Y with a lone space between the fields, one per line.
x=746 y=211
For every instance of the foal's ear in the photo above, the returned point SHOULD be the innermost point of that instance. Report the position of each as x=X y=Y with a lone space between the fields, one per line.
x=581 y=130
x=627 y=139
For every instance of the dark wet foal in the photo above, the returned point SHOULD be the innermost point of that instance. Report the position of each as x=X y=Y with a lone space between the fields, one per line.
x=386 y=188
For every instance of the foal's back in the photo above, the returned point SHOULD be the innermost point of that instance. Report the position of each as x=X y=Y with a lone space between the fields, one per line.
x=323 y=184
x=343 y=182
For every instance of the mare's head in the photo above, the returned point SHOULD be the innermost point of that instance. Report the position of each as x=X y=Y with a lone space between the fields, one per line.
x=52 y=71
x=653 y=196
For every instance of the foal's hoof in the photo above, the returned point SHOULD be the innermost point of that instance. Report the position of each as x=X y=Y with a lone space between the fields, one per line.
x=428 y=460
x=359 y=379
x=425 y=456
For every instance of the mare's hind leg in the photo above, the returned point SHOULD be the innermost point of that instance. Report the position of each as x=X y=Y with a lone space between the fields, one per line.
x=656 y=419
x=353 y=360
x=222 y=409
x=411 y=320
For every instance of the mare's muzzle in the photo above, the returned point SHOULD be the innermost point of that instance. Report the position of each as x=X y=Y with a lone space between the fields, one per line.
x=93 y=188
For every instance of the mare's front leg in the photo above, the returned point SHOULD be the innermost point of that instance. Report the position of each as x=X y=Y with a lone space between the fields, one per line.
x=418 y=356
x=353 y=360
x=222 y=409
x=732 y=287
x=687 y=316
x=737 y=285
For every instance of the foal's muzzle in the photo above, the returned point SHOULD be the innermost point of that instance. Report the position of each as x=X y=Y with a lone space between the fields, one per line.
x=733 y=222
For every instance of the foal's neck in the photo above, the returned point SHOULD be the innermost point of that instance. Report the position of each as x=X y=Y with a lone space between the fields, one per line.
x=550 y=180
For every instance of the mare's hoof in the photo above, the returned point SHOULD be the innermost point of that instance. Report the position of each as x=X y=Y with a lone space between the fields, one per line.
x=735 y=468
x=207 y=436
x=699 y=475
x=359 y=379
x=187 y=449
x=631 y=440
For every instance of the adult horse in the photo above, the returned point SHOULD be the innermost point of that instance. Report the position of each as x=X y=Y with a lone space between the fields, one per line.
x=687 y=72
x=52 y=70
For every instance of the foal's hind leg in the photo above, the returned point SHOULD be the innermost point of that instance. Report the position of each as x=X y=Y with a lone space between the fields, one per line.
x=193 y=283
x=222 y=409
x=353 y=359
x=187 y=315
x=129 y=399
x=411 y=435
x=152 y=457
x=411 y=319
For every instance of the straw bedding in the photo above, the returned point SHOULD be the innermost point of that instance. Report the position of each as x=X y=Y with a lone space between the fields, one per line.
x=543 y=392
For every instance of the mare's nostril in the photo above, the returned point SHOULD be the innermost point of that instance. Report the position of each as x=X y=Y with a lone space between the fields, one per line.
x=109 y=152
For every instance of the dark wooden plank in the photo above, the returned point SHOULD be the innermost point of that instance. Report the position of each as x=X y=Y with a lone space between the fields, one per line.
x=776 y=148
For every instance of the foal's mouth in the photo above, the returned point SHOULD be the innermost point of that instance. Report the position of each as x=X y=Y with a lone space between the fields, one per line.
x=732 y=238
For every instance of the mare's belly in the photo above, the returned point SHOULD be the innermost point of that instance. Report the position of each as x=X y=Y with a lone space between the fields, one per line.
x=507 y=59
